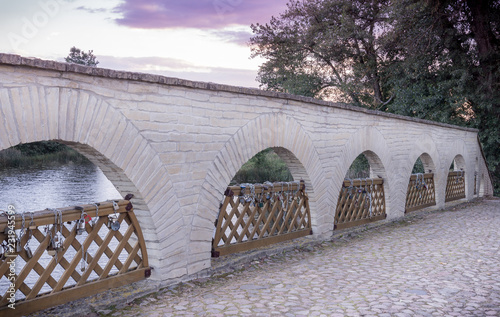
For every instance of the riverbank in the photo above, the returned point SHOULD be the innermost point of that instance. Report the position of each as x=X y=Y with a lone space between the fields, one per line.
x=40 y=154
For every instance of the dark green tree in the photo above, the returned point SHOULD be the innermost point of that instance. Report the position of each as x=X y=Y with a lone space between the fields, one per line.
x=325 y=48
x=447 y=66
x=77 y=56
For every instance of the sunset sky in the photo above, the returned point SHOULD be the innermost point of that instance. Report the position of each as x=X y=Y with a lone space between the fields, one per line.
x=203 y=40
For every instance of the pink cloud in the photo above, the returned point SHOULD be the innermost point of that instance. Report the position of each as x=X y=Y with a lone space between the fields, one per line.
x=205 y=14
x=182 y=69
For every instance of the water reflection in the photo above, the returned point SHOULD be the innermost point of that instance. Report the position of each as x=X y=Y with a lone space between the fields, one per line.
x=37 y=188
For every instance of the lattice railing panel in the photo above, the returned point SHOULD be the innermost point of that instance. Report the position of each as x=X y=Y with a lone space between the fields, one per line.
x=421 y=192
x=255 y=215
x=67 y=253
x=455 y=186
x=360 y=201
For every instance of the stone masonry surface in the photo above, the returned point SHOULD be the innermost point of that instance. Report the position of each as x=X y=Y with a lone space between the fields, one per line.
x=177 y=144
x=442 y=263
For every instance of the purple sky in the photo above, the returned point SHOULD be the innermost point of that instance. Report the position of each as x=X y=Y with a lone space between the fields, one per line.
x=204 y=40
x=202 y=14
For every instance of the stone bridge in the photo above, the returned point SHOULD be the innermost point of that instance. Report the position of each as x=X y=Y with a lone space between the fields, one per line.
x=176 y=144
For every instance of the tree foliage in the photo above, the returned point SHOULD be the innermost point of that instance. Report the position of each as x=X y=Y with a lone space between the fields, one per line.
x=452 y=74
x=77 y=56
x=360 y=168
x=40 y=148
x=264 y=166
x=326 y=48
x=432 y=59
x=40 y=154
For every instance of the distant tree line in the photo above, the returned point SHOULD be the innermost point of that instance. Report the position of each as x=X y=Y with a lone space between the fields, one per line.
x=39 y=153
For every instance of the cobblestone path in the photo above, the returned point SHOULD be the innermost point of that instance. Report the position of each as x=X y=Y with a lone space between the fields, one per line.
x=437 y=264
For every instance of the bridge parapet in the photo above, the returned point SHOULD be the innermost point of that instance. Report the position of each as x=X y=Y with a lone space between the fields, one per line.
x=176 y=144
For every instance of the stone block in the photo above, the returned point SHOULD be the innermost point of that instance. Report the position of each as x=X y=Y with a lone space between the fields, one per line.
x=199 y=266
x=152 y=107
x=10 y=122
x=190 y=147
x=142 y=88
x=137 y=115
x=18 y=112
x=113 y=141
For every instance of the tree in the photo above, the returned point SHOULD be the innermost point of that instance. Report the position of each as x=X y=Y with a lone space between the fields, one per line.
x=325 y=48
x=427 y=73
x=452 y=73
x=77 y=56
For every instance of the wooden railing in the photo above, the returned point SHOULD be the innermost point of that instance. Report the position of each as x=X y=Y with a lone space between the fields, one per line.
x=421 y=192
x=68 y=253
x=255 y=215
x=455 y=186
x=360 y=201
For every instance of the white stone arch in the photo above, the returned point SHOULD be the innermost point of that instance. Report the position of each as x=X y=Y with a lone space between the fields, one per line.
x=425 y=148
x=370 y=142
x=459 y=154
x=87 y=123
x=280 y=132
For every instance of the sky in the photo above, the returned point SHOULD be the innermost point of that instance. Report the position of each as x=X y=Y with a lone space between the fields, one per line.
x=203 y=40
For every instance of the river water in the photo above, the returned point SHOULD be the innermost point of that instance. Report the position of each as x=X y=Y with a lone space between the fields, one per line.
x=37 y=188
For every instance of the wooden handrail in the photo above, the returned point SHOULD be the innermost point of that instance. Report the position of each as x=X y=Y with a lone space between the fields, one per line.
x=456 y=173
x=413 y=177
x=362 y=182
x=47 y=217
x=260 y=188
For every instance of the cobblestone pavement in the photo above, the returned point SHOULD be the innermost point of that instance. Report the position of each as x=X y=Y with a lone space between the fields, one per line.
x=444 y=263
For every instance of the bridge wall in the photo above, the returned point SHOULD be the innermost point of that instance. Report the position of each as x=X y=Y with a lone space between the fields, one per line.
x=176 y=145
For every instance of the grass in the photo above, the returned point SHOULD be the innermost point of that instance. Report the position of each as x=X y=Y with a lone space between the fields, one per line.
x=14 y=157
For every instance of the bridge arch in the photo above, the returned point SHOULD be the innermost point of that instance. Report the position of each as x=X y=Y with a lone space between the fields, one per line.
x=90 y=125
x=458 y=154
x=425 y=148
x=370 y=142
x=290 y=141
